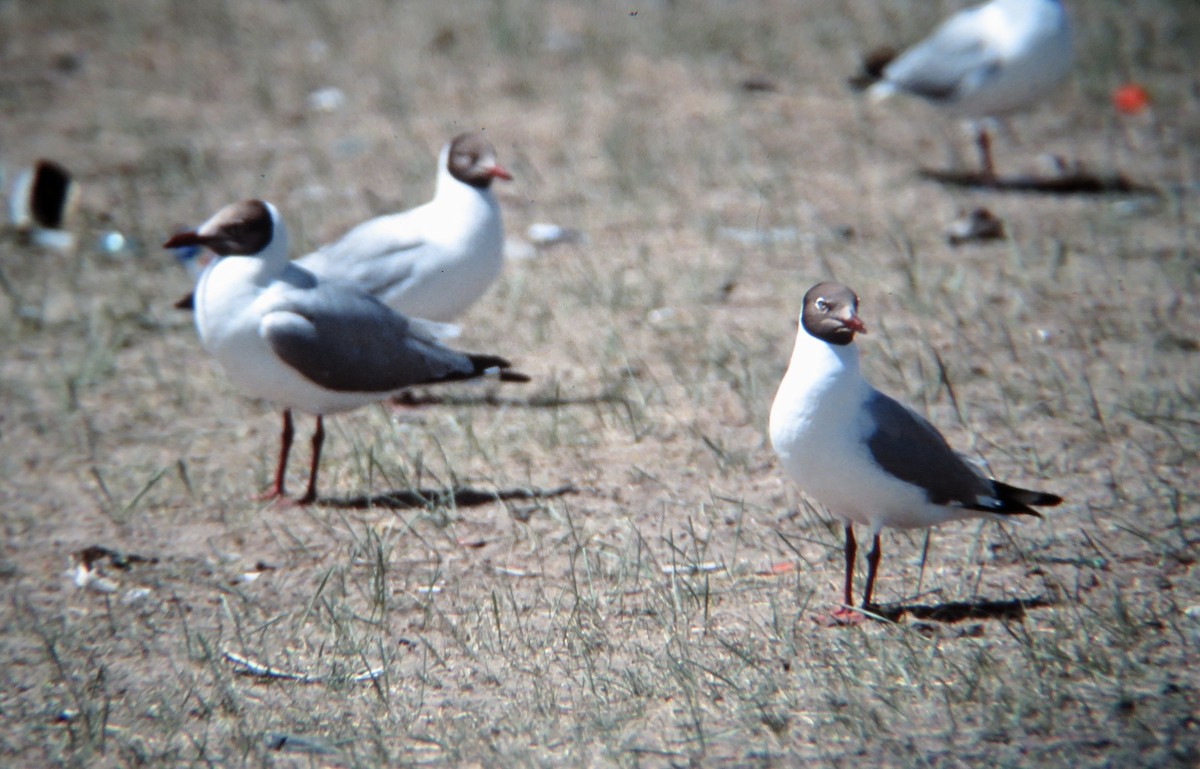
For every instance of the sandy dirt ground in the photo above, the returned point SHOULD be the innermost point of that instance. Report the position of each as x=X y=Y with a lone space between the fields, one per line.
x=604 y=567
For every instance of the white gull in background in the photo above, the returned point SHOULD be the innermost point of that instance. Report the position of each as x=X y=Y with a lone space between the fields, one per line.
x=868 y=459
x=436 y=260
x=306 y=343
x=985 y=62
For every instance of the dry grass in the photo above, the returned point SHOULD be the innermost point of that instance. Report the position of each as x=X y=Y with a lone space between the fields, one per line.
x=641 y=621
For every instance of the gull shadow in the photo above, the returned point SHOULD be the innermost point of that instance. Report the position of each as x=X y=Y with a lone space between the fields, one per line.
x=1076 y=182
x=459 y=496
x=415 y=399
x=958 y=611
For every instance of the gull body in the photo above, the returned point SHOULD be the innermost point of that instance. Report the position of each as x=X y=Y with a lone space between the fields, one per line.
x=307 y=344
x=867 y=458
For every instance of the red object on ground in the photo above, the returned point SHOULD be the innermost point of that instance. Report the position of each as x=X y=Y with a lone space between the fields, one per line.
x=1130 y=99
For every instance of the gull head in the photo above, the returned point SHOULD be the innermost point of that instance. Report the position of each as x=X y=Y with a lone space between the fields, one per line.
x=472 y=160
x=245 y=228
x=831 y=314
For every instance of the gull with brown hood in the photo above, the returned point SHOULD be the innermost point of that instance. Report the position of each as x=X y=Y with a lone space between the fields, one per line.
x=436 y=260
x=867 y=458
x=433 y=261
x=306 y=343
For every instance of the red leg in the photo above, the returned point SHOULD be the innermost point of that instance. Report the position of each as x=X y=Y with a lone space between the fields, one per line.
x=984 y=140
x=872 y=566
x=285 y=447
x=845 y=614
x=851 y=552
x=318 y=439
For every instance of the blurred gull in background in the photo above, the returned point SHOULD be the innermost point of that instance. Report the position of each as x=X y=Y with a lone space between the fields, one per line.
x=985 y=62
x=41 y=203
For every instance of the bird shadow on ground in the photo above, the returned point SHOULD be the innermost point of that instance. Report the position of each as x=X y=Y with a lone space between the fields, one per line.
x=1077 y=182
x=958 y=611
x=416 y=399
x=459 y=496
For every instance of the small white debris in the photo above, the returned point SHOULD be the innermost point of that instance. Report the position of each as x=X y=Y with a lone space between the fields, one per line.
x=112 y=243
x=329 y=99
x=756 y=237
x=693 y=568
x=135 y=596
x=660 y=315
x=545 y=234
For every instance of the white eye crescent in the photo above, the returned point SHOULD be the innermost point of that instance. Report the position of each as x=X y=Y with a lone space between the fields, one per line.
x=822 y=305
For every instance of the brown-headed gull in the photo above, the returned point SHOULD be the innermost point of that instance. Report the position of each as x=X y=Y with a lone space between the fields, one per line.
x=303 y=342
x=436 y=260
x=867 y=458
x=433 y=261
x=985 y=62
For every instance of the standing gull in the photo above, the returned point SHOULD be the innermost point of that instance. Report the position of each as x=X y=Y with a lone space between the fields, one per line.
x=433 y=261
x=985 y=62
x=307 y=344
x=867 y=458
x=436 y=260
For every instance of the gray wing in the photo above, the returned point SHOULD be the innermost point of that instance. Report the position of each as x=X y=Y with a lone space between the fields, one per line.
x=954 y=56
x=376 y=256
x=907 y=446
x=344 y=340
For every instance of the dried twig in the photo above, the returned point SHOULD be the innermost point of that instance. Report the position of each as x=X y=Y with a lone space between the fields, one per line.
x=250 y=667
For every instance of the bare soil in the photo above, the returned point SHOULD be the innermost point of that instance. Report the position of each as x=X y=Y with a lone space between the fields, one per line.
x=606 y=566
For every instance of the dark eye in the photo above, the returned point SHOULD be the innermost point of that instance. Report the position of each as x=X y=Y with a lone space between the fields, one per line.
x=822 y=305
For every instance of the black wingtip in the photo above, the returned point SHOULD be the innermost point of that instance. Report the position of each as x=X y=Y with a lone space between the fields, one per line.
x=186 y=303
x=488 y=363
x=1021 y=501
